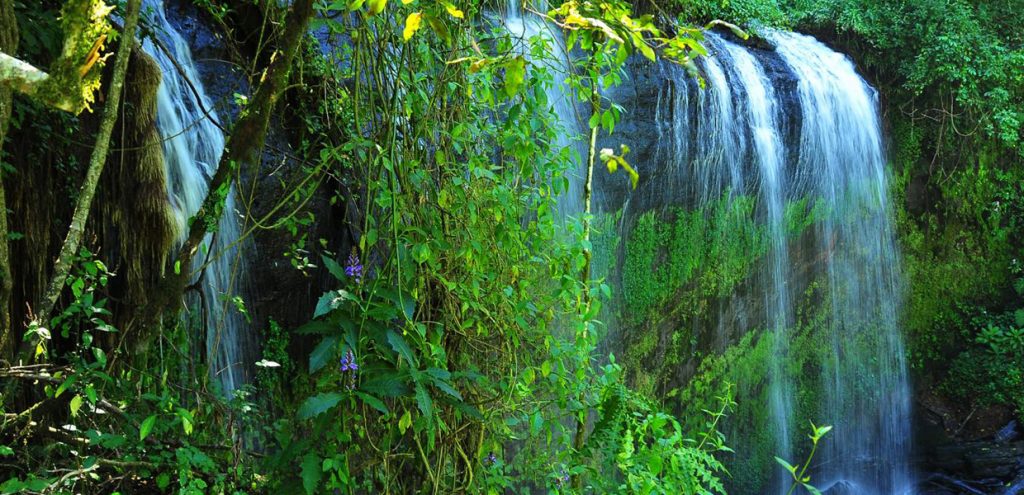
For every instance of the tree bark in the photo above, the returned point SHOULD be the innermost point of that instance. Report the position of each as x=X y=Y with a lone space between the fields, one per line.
x=62 y=267
x=244 y=147
x=26 y=78
x=8 y=43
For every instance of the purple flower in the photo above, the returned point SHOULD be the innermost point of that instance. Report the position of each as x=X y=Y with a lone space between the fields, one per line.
x=348 y=362
x=491 y=458
x=349 y=367
x=353 y=268
x=562 y=479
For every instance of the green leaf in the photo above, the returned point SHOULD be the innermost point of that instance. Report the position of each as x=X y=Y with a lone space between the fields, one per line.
x=334 y=268
x=101 y=357
x=384 y=384
x=376 y=6
x=811 y=489
x=6 y=451
x=76 y=404
x=405 y=422
x=515 y=73
x=529 y=376
x=311 y=473
x=400 y=346
x=318 y=404
x=146 y=427
x=654 y=463
x=789 y=467
x=330 y=301
x=323 y=351
x=373 y=402
x=446 y=388
x=424 y=402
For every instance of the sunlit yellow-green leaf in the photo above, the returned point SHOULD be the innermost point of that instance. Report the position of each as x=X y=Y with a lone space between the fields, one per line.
x=412 y=24
x=454 y=11
x=515 y=72
x=376 y=6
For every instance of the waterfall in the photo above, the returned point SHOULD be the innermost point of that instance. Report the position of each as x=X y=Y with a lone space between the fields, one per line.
x=794 y=129
x=523 y=28
x=193 y=144
x=842 y=162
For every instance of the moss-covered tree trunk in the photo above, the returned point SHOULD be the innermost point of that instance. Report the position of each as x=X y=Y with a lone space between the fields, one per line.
x=62 y=267
x=244 y=147
x=9 y=44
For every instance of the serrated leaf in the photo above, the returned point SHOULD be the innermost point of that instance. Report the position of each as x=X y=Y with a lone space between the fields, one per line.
x=146 y=427
x=330 y=301
x=373 y=402
x=400 y=346
x=311 y=473
x=333 y=267
x=318 y=404
x=446 y=388
x=424 y=402
x=322 y=353
x=385 y=385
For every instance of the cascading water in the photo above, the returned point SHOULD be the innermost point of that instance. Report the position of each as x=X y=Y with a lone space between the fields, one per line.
x=193 y=144
x=794 y=129
x=842 y=163
x=523 y=29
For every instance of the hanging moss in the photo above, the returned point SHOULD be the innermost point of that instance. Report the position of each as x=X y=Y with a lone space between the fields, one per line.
x=135 y=190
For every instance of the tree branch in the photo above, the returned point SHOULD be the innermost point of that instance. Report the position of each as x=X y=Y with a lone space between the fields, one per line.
x=68 y=250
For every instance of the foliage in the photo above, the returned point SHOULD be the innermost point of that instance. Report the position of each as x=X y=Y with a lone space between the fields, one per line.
x=800 y=479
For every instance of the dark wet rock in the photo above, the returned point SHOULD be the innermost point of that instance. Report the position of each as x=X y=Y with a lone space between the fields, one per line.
x=1008 y=433
x=994 y=464
x=221 y=77
x=841 y=487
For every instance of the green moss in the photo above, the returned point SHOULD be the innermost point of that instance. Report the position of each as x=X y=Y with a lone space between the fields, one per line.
x=748 y=364
x=690 y=255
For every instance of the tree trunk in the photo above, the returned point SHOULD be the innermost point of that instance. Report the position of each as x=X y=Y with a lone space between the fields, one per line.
x=244 y=148
x=98 y=158
x=9 y=44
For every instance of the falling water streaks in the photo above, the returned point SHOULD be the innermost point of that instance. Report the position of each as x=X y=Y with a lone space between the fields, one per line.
x=799 y=124
x=193 y=143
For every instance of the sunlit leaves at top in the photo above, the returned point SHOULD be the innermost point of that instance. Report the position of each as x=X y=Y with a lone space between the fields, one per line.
x=412 y=24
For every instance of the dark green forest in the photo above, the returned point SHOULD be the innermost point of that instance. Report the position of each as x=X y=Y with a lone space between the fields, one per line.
x=512 y=247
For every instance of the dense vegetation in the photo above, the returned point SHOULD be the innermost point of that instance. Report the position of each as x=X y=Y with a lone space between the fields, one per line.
x=446 y=334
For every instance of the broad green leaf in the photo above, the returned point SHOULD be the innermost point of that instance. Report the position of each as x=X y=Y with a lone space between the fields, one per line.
x=424 y=402
x=334 y=268
x=318 y=404
x=76 y=404
x=373 y=402
x=515 y=73
x=146 y=427
x=323 y=351
x=405 y=422
x=376 y=6
x=311 y=473
x=400 y=346
x=6 y=451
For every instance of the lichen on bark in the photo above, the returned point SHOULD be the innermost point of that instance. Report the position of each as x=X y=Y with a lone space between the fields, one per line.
x=74 y=78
